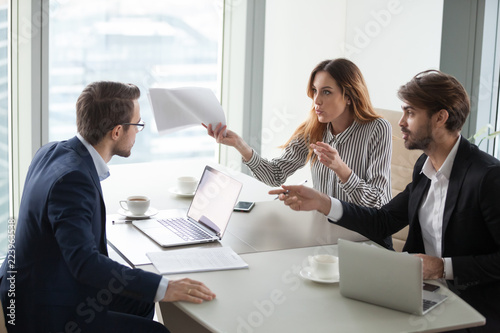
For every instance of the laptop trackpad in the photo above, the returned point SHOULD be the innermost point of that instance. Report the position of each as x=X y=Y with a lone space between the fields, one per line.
x=158 y=232
x=147 y=224
x=163 y=236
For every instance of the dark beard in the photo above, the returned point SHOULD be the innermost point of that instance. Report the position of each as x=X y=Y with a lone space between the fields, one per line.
x=421 y=143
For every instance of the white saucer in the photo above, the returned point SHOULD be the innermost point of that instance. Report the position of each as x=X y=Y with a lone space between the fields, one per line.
x=175 y=191
x=150 y=212
x=307 y=273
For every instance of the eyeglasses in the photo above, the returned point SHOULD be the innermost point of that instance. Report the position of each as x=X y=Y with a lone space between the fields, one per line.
x=140 y=125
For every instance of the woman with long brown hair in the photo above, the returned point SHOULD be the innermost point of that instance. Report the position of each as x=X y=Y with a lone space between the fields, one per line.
x=347 y=142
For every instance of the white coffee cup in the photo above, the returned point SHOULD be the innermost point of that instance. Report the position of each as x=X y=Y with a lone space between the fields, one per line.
x=186 y=184
x=324 y=266
x=136 y=204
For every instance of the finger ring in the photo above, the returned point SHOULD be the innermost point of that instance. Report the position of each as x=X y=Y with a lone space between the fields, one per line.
x=189 y=291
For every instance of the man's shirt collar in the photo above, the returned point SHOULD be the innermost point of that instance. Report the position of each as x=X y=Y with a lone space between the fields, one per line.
x=101 y=166
x=445 y=170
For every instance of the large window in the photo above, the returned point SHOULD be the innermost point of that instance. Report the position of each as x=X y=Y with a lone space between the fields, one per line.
x=150 y=43
x=4 y=125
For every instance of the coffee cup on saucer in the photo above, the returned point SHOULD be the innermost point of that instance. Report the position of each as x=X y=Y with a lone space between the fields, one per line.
x=324 y=266
x=186 y=185
x=136 y=204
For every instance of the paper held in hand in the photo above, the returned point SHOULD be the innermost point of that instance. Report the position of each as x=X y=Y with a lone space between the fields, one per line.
x=196 y=260
x=179 y=108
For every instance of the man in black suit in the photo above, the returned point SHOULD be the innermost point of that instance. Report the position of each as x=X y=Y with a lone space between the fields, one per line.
x=451 y=205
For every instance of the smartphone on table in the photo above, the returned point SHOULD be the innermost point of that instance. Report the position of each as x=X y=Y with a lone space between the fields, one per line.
x=244 y=206
x=430 y=287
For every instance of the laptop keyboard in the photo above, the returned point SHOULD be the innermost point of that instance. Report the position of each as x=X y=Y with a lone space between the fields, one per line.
x=428 y=304
x=184 y=229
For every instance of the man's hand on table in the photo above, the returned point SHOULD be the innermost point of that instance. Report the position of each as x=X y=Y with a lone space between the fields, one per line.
x=187 y=290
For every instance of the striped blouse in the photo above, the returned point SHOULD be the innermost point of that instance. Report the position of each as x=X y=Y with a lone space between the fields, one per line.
x=365 y=148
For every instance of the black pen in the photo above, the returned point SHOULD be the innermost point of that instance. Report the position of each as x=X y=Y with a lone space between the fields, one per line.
x=286 y=192
x=121 y=221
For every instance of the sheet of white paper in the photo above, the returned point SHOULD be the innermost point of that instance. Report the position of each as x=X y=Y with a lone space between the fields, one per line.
x=196 y=260
x=179 y=108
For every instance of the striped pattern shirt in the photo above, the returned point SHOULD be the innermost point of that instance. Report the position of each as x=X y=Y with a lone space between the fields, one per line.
x=365 y=148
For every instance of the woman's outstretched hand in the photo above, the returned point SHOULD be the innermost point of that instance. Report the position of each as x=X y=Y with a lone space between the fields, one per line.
x=229 y=138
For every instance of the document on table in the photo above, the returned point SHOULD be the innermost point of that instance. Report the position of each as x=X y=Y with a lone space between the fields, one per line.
x=180 y=108
x=196 y=260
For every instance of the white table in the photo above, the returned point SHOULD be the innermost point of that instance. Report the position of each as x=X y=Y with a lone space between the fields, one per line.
x=269 y=296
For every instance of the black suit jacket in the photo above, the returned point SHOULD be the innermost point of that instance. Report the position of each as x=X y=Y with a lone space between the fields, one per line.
x=471 y=224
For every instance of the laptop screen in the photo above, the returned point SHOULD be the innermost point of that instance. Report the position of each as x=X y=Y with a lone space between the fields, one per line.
x=214 y=200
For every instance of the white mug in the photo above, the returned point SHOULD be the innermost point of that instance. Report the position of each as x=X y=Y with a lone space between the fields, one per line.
x=324 y=266
x=186 y=184
x=136 y=204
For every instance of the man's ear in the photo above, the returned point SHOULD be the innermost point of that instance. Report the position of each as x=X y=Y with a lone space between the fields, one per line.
x=116 y=132
x=441 y=117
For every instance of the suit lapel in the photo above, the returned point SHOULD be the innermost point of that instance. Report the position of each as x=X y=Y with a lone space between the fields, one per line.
x=78 y=146
x=415 y=200
x=416 y=197
x=458 y=172
x=420 y=185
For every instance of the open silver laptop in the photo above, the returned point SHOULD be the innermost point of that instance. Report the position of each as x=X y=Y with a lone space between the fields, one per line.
x=383 y=277
x=207 y=217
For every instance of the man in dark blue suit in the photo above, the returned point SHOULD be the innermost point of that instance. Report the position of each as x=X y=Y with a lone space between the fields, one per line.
x=451 y=205
x=62 y=279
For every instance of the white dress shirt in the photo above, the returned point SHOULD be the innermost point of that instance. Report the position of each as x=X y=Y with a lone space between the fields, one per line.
x=103 y=173
x=431 y=211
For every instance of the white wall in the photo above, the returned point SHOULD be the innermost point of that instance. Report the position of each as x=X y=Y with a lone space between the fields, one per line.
x=390 y=40
x=299 y=34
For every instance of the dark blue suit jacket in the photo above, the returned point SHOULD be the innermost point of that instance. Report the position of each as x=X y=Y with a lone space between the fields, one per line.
x=471 y=225
x=63 y=278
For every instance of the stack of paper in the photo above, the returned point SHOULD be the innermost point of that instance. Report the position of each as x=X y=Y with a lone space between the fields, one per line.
x=178 y=108
x=196 y=260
